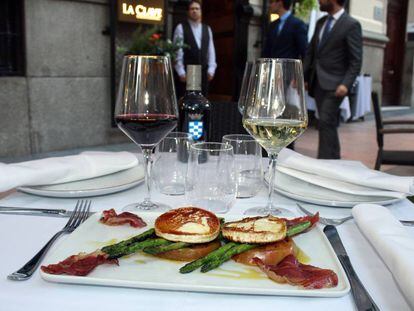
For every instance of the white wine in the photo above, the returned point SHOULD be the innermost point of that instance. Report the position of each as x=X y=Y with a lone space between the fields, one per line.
x=273 y=135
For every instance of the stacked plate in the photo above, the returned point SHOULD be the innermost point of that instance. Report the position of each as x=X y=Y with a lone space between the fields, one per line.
x=299 y=189
x=102 y=185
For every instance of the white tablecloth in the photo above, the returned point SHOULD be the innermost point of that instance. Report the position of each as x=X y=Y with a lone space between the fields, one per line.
x=22 y=236
x=362 y=101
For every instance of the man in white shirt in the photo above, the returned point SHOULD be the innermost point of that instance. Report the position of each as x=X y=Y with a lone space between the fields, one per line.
x=201 y=50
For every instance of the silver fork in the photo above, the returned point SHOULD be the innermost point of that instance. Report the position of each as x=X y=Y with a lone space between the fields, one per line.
x=325 y=221
x=339 y=221
x=79 y=215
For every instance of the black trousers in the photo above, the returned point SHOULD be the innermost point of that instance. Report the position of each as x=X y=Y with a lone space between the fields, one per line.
x=329 y=113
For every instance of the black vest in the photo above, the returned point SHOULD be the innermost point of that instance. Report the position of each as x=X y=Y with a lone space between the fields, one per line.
x=193 y=55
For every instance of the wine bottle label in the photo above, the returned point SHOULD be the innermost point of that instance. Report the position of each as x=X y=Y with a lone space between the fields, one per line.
x=196 y=125
x=196 y=129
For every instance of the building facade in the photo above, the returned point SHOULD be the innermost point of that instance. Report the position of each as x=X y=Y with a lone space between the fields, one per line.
x=372 y=15
x=63 y=98
x=373 y=18
x=408 y=69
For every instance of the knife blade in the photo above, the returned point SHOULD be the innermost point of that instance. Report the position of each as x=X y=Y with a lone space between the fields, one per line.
x=10 y=210
x=363 y=300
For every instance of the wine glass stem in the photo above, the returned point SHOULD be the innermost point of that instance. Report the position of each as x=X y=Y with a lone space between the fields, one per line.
x=272 y=175
x=147 y=153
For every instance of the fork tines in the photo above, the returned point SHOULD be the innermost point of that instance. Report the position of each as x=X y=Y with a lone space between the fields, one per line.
x=79 y=215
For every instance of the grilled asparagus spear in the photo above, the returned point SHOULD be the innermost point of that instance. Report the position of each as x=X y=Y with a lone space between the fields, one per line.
x=294 y=230
x=135 y=247
x=190 y=267
x=216 y=262
x=240 y=248
x=165 y=248
x=119 y=247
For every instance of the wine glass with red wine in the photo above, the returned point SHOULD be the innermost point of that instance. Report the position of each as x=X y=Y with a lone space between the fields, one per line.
x=146 y=110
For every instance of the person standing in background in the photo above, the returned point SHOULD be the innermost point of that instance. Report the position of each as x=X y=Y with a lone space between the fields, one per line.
x=201 y=51
x=287 y=36
x=332 y=63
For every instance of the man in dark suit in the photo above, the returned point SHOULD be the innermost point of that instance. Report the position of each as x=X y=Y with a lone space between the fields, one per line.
x=332 y=63
x=287 y=36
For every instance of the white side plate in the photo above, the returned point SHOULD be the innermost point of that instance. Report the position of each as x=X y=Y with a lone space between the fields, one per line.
x=145 y=271
x=102 y=185
x=298 y=189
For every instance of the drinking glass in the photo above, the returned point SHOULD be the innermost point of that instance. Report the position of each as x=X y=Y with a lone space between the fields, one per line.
x=275 y=113
x=247 y=163
x=146 y=110
x=245 y=86
x=170 y=166
x=211 y=180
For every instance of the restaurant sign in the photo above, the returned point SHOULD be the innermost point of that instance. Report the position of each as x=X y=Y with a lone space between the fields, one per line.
x=141 y=11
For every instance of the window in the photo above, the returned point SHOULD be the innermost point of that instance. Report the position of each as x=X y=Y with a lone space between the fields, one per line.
x=12 y=59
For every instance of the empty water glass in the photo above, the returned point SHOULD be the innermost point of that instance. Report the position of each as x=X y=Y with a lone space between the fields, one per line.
x=170 y=167
x=247 y=163
x=211 y=179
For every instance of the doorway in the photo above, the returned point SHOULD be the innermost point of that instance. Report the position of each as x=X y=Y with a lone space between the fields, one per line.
x=229 y=21
x=394 y=52
x=221 y=22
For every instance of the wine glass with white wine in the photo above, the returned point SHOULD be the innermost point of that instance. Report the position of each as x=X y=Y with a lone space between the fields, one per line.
x=275 y=114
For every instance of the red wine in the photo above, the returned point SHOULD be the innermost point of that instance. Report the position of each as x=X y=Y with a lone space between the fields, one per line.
x=146 y=130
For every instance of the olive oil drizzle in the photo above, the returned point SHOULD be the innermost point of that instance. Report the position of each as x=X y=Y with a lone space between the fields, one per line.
x=247 y=273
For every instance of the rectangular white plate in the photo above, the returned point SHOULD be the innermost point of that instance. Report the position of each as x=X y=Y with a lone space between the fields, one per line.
x=145 y=271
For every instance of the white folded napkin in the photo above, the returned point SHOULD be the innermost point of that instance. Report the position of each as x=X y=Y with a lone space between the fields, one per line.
x=391 y=241
x=58 y=170
x=346 y=171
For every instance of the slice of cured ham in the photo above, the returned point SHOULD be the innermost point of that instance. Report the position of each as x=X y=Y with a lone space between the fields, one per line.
x=269 y=254
x=111 y=218
x=80 y=265
x=291 y=271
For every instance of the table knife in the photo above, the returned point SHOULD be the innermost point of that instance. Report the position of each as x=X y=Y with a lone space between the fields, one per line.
x=35 y=211
x=362 y=299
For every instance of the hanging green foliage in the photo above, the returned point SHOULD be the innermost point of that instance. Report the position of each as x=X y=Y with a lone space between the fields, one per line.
x=304 y=7
x=150 y=41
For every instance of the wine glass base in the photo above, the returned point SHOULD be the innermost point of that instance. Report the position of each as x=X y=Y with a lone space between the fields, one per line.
x=264 y=211
x=173 y=189
x=147 y=206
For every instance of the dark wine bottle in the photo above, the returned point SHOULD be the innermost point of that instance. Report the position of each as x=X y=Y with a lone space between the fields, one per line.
x=194 y=108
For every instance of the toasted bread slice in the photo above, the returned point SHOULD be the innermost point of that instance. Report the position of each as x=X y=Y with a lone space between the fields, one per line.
x=254 y=230
x=188 y=224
